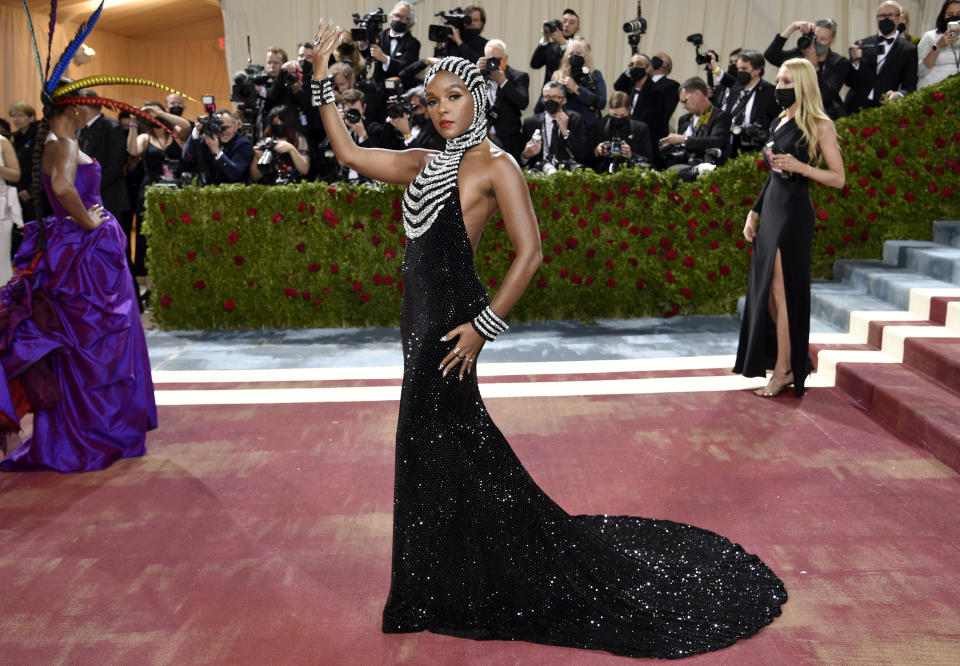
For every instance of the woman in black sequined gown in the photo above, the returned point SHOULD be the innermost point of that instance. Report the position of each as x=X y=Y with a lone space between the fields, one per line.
x=775 y=330
x=479 y=551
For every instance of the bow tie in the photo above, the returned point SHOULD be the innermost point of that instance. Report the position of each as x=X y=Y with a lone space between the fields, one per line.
x=889 y=40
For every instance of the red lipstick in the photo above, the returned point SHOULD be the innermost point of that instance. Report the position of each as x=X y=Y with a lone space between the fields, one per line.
x=446 y=123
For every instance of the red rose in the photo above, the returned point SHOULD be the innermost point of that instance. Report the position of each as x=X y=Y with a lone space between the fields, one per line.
x=714 y=245
x=686 y=293
x=590 y=252
x=328 y=215
x=163 y=207
x=609 y=264
x=232 y=238
x=938 y=96
x=302 y=207
x=376 y=240
x=632 y=261
x=216 y=215
x=313 y=268
x=864 y=235
x=932 y=187
x=689 y=262
x=555 y=214
x=511 y=256
x=395 y=203
x=668 y=276
x=357 y=285
x=712 y=276
x=301 y=247
x=331 y=190
x=582 y=223
x=305 y=295
x=891 y=189
x=389 y=254
x=928 y=110
x=575 y=209
x=596 y=232
x=691 y=235
x=334 y=268
x=388 y=280
x=899 y=161
x=251 y=212
x=611 y=283
x=492 y=283
x=822 y=214
x=546 y=259
x=290 y=292
x=165 y=301
x=724 y=271
x=238 y=260
x=651 y=250
x=185 y=218
x=830 y=250
x=671 y=254
x=229 y=305
x=645 y=231
x=588 y=281
x=191 y=255
x=377 y=214
x=571 y=243
x=392 y=228
x=250 y=283
x=576 y=279
x=847 y=238
x=365 y=297
x=641 y=284
x=564 y=273
x=199 y=284
x=317 y=302
x=624 y=245
x=277 y=218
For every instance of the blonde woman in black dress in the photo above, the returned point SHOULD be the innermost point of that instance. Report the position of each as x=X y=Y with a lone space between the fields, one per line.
x=803 y=147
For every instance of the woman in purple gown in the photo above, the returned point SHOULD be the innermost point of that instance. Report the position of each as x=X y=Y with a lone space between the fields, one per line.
x=72 y=348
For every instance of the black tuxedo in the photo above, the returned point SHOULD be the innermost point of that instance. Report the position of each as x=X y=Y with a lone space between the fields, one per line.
x=574 y=147
x=715 y=134
x=671 y=93
x=649 y=104
x=105 y=141
x=832 y=74
x=471 y=48
x=504 y=115
x=407 y=51
x=898 y=72
x=637 y=136
x=762 y=109
x=549 y=56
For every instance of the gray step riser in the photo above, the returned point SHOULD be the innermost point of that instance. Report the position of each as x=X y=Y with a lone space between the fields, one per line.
x=834 y=307
x=947 y=232
x=945 y=267
x=889 y=284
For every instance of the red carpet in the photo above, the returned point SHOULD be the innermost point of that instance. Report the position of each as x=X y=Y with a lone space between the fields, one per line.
x=260 y=534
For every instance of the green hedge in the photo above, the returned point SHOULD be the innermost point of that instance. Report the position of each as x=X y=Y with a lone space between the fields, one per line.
x=629 y=244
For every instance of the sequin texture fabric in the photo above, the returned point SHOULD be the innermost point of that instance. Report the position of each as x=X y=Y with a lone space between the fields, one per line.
x=479 y=551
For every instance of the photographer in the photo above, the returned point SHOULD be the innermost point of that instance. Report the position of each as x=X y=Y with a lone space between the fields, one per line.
x=887 y=61
x=221 y=153
x=662 y=67
x=344 y=78
x=464 y=38
x=939 y=49
x=283 y=156
x=620 y=140
x=724 y=81
x=412 y=125
x=702 y=134
x=586 y=89
x=554 y=136
x=647 y=103
x=751 y=105
x=396 y=47
x=508 y=92
x=552 y=43
x=833 y=70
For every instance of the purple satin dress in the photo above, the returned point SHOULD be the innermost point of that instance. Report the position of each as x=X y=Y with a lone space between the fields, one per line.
x=75 y=315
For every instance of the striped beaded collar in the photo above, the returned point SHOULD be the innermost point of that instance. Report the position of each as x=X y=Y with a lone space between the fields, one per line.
x=423 y=198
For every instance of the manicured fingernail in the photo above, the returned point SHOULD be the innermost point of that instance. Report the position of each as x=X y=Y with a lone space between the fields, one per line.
x=443 y=338
x=441 y=367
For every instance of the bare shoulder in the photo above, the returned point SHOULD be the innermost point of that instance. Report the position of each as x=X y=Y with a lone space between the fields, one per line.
x=825 y=127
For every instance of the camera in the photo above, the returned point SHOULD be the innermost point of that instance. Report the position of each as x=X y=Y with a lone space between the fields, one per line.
x=805 y=40
x=697 y=40
x=953 y=28
x=493 y=64
x=211 y=125
x=267 y=153
x=550 y=27
x=397 y=107
x=352 y=116
x=455 y=18
x=367 y=27
x=245 y=84
x=753 y=135
x=637 y=26
x=287 y=79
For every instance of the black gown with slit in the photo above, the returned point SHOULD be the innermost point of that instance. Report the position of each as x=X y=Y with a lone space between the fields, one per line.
x=480 y=551
x=786 y=224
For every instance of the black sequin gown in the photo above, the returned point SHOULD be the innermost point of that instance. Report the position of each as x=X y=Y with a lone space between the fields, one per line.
x=786 y=224
x=479 y=551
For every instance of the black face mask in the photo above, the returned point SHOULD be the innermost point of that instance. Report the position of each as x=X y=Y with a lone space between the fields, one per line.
x=176 y=110
x=397 y=26
x=732 y=70
x=418 y=119
x=887 y=26
x=345 y=49
x=743 y=78
x=820 y=48
x=619 y=125
x=785 y=97
x=470 y=34
x=278 y=130
x=551 y=106
x=576 y=63
x=637 y=73
x=657 y=63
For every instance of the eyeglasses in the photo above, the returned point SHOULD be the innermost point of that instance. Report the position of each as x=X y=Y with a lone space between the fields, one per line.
x=683 y=100
x=555 y=98
x=889 y=16
x=401 y=18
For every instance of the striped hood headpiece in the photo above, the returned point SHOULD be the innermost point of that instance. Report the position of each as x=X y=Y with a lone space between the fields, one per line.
x=423 y=198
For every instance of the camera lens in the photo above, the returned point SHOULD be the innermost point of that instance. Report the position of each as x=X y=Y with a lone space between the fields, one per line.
x=351 y=116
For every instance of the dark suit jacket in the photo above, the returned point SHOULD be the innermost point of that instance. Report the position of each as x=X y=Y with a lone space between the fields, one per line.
x=832 y=74
x=671 y=94
x=549 y=56
x=638 y=138
x=471 y=49
x=105 y=141
x=233 y=166
x=406 y=52
x=899 y=72
x=764 y=104
x=651 y=108
x=715 y=134
x=512 y=98
x=574 y=147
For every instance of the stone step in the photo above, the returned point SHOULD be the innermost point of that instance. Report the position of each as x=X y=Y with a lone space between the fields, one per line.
x=886 y=283
x=936 y=358
x=832 y=302
x=947 y=232
x=940 y=262
x=910 y=404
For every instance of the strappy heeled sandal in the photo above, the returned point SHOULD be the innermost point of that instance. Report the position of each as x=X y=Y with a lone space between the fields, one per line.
x=776 y=385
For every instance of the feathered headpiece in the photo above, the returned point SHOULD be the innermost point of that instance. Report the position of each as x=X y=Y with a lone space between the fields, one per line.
x=54 y=94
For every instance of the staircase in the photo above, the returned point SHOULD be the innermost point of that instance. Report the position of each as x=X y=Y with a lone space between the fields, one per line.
x=900 y=360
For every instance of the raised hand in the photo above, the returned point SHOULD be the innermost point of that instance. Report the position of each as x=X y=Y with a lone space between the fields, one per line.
x=325 y=42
